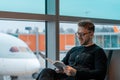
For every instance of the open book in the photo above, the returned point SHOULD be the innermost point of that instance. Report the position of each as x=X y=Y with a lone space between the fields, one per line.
x=58 y=64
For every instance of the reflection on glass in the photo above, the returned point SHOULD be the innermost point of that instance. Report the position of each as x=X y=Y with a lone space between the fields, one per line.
x=114 y=40
x=91 y=9
x=18 y=27
x=118 y=41
x=67 y=37
x=28 y=6
x=99 y=40
x=107 y=43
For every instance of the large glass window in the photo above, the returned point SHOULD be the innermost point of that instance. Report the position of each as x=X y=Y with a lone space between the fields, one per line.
x=24 y=6
x=105 y=37
x=114 y=41
x=102 y=37
x=67 y=37
x=27 y=31
x=107 y=43
x=105 y=9
x=99 y=40
x=31 y=31
x=119 y=41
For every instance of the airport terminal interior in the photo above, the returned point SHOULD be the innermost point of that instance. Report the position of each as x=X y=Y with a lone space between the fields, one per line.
x=31 y=27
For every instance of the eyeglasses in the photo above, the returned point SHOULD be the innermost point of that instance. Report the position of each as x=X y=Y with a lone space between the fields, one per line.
x=81 y=34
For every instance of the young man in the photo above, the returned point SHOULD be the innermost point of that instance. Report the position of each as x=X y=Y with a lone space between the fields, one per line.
x=85 y=62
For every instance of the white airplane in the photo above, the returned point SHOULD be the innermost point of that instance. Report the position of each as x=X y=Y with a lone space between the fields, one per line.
x=15 y=57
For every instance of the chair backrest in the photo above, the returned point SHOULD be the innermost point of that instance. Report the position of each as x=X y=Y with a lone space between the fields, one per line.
x=108 y=64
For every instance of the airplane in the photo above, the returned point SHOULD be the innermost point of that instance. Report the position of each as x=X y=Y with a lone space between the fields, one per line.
x=16 y=58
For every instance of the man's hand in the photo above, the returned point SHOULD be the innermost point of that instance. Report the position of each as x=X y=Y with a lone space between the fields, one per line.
x=59 y=71
x=68 y=70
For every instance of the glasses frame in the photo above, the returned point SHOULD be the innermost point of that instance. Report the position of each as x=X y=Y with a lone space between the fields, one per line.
x=81 y=34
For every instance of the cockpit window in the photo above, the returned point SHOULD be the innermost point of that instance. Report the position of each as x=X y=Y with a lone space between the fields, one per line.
x=19 y=49
x=24 y=49
x=14 y=49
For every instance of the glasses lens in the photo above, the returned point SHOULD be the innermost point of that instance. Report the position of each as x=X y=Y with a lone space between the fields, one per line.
x=82 y=34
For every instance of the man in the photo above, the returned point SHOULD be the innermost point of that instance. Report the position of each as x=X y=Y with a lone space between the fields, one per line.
x=85 y=62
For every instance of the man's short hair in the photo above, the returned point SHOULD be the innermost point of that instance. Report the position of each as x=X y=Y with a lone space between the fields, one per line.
x=87 y=24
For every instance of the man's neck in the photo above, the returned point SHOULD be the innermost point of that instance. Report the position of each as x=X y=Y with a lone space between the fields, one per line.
x=90 y=44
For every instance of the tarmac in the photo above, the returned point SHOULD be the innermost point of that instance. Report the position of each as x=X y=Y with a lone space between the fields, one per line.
x=26 y=77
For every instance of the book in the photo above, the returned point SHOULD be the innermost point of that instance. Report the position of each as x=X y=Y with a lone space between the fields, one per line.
x=58 y=64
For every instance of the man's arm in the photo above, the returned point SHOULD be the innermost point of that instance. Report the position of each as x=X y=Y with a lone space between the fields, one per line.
x=85 y=73
x=100 y=69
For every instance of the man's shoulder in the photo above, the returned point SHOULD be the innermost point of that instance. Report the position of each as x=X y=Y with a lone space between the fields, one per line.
x=76 y=47
x=100 y=50
x=98 y=47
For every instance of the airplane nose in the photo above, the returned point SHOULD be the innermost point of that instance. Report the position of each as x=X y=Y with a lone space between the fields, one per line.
x=32 y=66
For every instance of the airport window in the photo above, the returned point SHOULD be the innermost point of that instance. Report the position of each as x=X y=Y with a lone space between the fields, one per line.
x=33 y=15
x=26 y=31
x=119 y=41
x=99 y=40
x=105 y=37
x=114 y=41
x=107 y=41
x=67 y=37
x=94 y=9
x=24 y=6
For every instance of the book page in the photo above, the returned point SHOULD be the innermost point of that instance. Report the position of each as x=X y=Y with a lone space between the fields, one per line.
x=58 y=64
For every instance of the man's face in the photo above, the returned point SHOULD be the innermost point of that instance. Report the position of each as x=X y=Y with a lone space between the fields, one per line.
x=85 y=36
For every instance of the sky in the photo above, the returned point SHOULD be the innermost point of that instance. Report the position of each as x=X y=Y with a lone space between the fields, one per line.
x=6 y=25
x=27 y=6
x=11 y=26
x=105 y=9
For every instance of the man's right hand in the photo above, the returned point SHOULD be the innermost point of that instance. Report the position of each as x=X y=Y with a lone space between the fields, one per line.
x=59 y=71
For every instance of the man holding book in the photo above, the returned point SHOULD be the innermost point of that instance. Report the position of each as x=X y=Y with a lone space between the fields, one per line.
x=85 y=62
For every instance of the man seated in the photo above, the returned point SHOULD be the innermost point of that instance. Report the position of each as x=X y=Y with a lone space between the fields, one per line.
x=85 y=62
